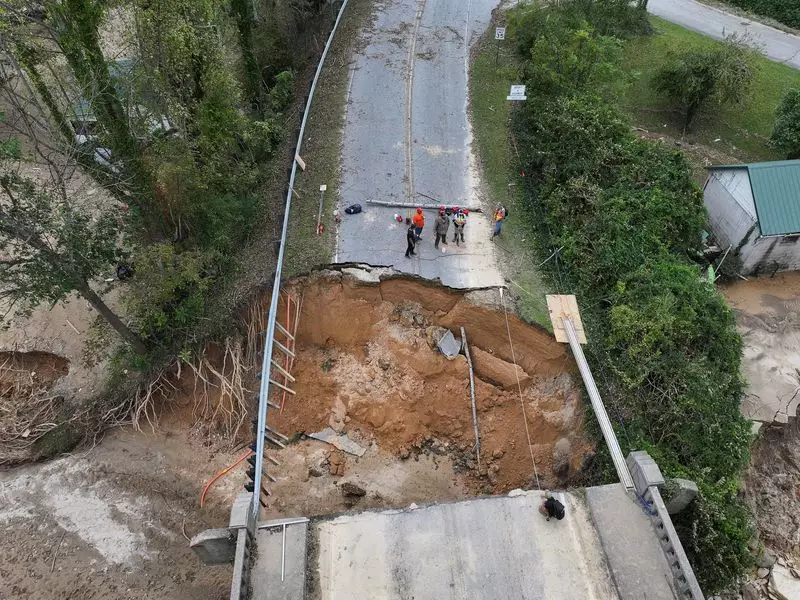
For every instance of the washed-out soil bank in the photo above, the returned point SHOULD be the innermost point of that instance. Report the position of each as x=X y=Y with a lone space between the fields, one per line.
x=368 y=366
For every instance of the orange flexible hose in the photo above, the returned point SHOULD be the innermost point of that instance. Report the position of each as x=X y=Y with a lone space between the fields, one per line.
x=288 y=345
x=221 y=474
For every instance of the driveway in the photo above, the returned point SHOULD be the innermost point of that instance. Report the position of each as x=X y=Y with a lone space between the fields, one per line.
x=407 y=131
x=710 y=21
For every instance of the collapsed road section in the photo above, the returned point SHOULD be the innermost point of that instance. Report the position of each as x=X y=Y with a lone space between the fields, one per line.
x=380 y=415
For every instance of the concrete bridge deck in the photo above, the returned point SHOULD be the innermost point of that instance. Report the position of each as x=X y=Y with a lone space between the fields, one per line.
x=488 y=548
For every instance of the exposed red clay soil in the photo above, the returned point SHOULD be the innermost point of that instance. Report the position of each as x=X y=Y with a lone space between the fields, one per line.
x=367 y=366
x=23 y=372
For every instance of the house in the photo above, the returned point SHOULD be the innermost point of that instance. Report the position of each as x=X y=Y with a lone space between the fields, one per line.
x=754 y=210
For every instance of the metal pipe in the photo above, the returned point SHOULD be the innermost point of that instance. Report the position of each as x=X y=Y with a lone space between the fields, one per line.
x=283 y=552
x=472 y=397
x=597 y=405
x=423 y=206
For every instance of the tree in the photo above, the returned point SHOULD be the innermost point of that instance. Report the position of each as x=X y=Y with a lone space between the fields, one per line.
x=786 y=132
x=697 y=77
x=50 y=248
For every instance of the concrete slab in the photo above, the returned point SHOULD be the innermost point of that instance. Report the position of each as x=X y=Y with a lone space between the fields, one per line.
x=634 y=554
x=266 y=572
x=499 y=548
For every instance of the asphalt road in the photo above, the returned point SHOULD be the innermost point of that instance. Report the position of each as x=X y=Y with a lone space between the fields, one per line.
x=710 y=21
x=406 y=131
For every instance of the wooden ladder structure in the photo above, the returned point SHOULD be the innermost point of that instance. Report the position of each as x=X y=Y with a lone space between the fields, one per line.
x=280 y=382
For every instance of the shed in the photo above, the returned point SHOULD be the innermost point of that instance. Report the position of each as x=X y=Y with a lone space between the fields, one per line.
x=754 y=209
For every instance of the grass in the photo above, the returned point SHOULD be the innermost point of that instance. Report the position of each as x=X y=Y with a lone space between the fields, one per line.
x=489 y=87
x=742 y=130
x=306 y=249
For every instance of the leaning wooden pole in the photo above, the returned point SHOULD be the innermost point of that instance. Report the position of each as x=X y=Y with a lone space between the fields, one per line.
x=472 y=397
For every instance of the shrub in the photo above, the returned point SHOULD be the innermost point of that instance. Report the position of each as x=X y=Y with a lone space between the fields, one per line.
x=627 y=215
x=697 y=77
x=786 y=133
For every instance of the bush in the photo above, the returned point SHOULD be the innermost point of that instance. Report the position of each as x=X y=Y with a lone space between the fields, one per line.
x=169 y=299
x=697 y=77
x=786 y=133
x=785 y=11
x=627 y=215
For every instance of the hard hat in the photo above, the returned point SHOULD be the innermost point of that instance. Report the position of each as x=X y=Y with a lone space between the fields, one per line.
x=419 y=210
x=441 y=210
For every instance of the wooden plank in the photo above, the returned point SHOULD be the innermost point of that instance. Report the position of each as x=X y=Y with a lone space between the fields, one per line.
x=561 y=306
x=300 y=162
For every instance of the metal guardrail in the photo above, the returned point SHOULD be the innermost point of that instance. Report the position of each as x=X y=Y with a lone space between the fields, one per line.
x=597 y=405
x=241 y=567
x=685 y=580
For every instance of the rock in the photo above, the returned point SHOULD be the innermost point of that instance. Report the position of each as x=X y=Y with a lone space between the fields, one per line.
x=766 y=560
x=750 y=591
x=763 y=573
x=492 y=477
x=783 y=584
x=685 y=492
x=351 y=489
x=498 y=453
x=561 y=455
x=384 y=364
x=497 y=371
x=404 y=453
x=316 y=471
x=337 y=463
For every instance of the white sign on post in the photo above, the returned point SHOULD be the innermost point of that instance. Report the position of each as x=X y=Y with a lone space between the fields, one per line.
x=500 y=33
x=517 y=93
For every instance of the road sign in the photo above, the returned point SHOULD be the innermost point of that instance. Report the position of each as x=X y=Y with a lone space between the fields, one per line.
x=500 y=33
x=517 y=93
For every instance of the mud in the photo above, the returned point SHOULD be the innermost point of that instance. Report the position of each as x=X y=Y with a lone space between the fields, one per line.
x=768 y=317
x=772 y=488
x=367 y=367
x=112 y=522
x=30 y=371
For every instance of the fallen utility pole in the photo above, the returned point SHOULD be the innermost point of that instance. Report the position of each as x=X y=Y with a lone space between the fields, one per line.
x=472 y=397
x=564 y=315
x=423 y=206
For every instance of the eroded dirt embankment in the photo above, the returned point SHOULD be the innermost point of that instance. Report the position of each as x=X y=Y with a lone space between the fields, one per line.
x=368 y=366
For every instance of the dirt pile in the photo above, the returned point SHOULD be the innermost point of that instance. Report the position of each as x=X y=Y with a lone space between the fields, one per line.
x=366 y=367
x=29 y=407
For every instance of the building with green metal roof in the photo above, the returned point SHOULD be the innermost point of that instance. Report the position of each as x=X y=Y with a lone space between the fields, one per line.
x=754 y=210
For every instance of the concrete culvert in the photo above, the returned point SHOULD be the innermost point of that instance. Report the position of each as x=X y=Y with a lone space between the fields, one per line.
x=367 y=366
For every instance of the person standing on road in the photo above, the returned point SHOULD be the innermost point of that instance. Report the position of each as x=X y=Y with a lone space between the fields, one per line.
x=499 y=216
x=419 y=222
x=411 y=238
x=459 y=221
x=441 y=227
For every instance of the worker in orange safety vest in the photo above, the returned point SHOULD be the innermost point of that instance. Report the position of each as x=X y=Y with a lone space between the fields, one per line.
x=419 y=222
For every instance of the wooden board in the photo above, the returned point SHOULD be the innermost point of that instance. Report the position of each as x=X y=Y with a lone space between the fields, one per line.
x=565 y=306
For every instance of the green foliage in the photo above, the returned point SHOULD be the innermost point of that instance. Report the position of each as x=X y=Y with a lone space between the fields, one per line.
x=281 y=92
x=169 y=298
x=786 y=133
x=785 y=11
x=52 y=246
x=697 y=77
x=715 y=531
x=626 y=216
